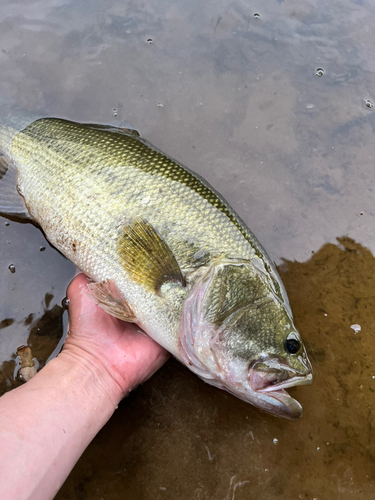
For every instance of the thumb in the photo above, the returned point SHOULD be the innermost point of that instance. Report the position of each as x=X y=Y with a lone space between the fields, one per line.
x=84 y=315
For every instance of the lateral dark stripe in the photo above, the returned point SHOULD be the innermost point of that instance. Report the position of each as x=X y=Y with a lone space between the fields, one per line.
x=135 y=151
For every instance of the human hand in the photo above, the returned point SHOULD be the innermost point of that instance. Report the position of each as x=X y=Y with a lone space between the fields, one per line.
x=119 y=353
x=55 y=415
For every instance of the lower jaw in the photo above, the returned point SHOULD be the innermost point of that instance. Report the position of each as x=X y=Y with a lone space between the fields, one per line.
x=286 y=406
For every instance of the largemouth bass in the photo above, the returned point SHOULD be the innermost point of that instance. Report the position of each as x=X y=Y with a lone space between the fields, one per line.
x=162 y=248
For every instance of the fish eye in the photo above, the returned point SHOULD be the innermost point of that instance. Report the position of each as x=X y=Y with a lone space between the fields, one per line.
x=292 y=344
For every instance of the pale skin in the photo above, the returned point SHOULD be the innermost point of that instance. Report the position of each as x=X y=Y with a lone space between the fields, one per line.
x=46 y=424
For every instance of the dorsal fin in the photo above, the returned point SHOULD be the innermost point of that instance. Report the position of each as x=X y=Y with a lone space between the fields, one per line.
x=113 y=128
x=146 y=256
x=11 y=202
x=131 y=131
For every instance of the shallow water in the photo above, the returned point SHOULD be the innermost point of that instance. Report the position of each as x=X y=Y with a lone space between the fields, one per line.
x=235 y=97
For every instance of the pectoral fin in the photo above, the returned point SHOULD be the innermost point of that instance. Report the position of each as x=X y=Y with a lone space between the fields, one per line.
x=146 y=256
x=108 y=297
x=11 y=202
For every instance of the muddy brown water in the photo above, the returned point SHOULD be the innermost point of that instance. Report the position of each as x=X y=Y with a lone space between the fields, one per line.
x=275 y=111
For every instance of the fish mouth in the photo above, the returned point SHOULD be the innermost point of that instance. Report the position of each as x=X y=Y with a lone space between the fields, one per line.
x=269 y=383
x=281 y=404
x=274 y=399
x=292 y=382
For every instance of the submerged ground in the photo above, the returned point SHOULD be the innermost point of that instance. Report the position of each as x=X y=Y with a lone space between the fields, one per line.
x=272 y=103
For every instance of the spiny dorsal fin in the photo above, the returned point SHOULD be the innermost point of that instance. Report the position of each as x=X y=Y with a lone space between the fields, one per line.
x=11 y=202
x=146 y=256
x=113 y=128
x=108 y=297
x=130 y=131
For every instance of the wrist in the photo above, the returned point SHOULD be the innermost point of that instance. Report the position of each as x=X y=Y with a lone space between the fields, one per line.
x=52 y=419
x=90 y=373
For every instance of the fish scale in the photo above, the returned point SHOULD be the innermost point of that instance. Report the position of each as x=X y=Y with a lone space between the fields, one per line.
x=58 y=150
x=134 y=155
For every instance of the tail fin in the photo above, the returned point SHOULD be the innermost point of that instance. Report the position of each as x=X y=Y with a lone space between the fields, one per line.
x=11 y=202
x=13 y=119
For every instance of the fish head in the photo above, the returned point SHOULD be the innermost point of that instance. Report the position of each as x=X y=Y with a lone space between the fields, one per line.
x=237 y=333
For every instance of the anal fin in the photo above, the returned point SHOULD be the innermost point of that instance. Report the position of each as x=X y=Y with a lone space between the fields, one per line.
x=108 y=297
x=11 y=202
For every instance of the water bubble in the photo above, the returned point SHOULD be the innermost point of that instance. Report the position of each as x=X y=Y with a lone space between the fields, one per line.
x=256 y=16
x=65 y=303
x=160 y=104
x=319 y=72
x=368 y=104
x=275 y=440
x=356 y=328
x=309 y=106
x=41 y=249
x=114 y=111
x=150 y=40
x=12 y=268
